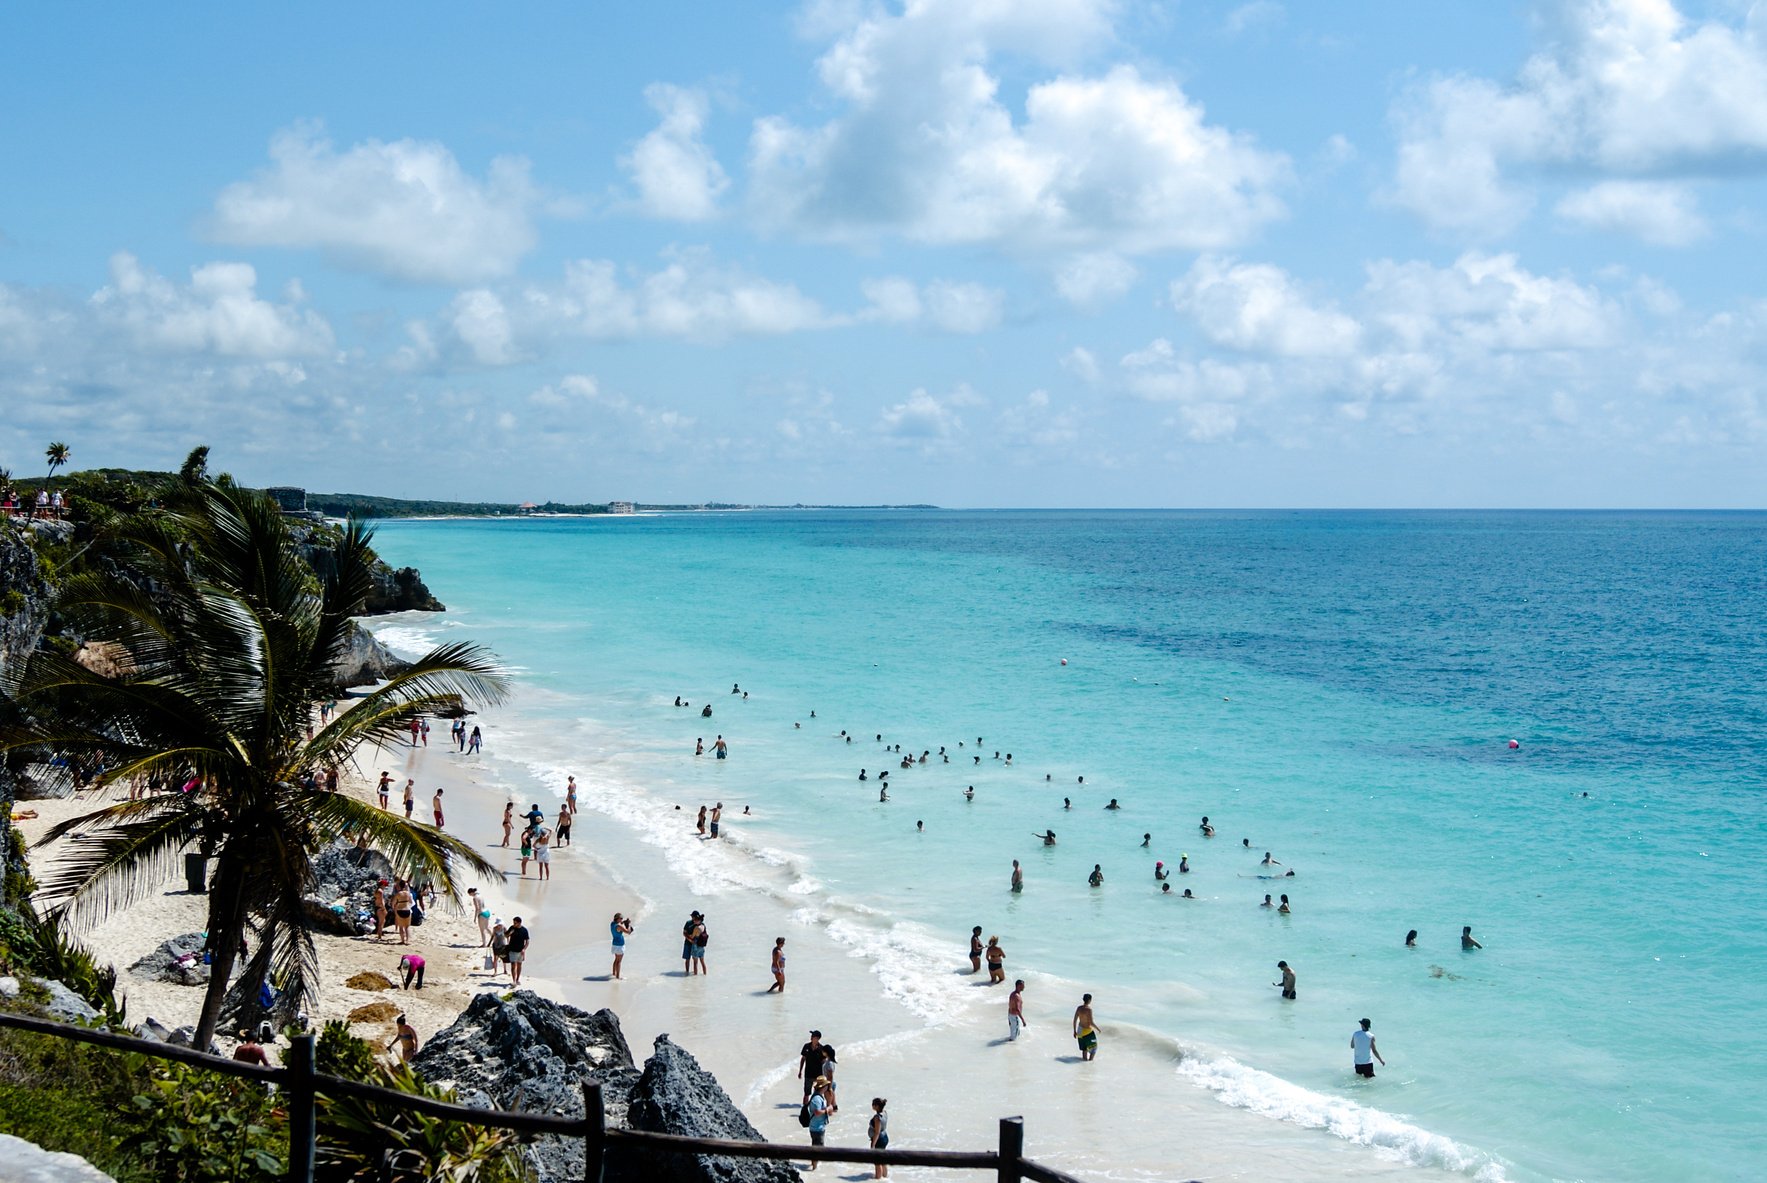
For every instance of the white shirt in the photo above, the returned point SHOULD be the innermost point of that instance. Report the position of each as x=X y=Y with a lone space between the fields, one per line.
x=1362 y=1042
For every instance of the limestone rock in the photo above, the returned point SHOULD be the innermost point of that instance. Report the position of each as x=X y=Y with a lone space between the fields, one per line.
x=8 y=987
x=676 y=1096
x=27 y=1162
x=526 y=1052
x=65 y=1004
x=364 y=660
x=178 y=961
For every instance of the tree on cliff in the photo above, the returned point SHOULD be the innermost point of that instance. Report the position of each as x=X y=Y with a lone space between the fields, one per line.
x=224 y=660
x=57 y=454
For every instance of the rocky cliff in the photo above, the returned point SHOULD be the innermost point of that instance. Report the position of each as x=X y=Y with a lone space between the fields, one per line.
x=522 y=1051
x=24 y=611
x=400 y=590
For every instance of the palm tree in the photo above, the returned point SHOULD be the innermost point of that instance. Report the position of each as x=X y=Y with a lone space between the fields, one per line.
x=229 y=642
x=57 y=454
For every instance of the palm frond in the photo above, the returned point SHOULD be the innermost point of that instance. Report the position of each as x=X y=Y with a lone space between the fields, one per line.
x=417 y=850
x=110 y=870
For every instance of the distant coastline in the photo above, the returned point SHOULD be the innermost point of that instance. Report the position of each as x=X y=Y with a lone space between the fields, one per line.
x=362 y=505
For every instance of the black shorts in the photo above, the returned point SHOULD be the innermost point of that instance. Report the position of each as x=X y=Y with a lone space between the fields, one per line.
x=1289 y=994
x=1365 y=1070
x=816 y=1137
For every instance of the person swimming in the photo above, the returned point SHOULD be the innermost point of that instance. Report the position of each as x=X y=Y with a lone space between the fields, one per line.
x=1208 y=831
x=969 y=794
x=1266 y=903
x=1066 y=804
x=1146 y=840
x=1187 y=894
x=1096 y=879
x=1048 y=837
x=1184 y=864
x=862 y=775
x=1165 y=889
x=1159 y=871
x=706 y=711
x=1410 y=937
x=1283 y=907
x=1267 y=861
x=1113 y=804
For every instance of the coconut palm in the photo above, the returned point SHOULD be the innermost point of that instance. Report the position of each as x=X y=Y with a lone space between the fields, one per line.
x=57 y=454
x=228 y=642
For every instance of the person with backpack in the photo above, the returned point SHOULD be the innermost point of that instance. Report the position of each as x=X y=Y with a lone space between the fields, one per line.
x=819 y=1106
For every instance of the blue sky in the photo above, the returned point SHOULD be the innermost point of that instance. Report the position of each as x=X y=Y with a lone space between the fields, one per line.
x=990 y=253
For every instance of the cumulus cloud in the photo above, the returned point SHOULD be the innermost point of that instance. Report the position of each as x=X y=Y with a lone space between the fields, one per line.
x=677 y=175
x=1657 y=212
x=1629 y=88
x=943 y=304
x=218 y=312
x=1095 y=278
x=926 y=148
x=404 y=209
x=1259 y=308
x=923 y=422
x=1487 y=303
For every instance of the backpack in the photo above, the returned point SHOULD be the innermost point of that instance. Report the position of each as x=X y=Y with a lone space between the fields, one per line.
x=804 y=1114
x=705 y=937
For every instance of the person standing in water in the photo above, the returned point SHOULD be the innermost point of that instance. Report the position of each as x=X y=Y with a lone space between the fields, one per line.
x=996 y=961
x=1287 y=984
x=1018 y=877
x=1096 y=879
x=778 y=986
x=621 y=928
x=975 y=950
x=1466 y=939
x=1015 y=1010
x=1364 y=1052
x=1085 y=1030
x=879 y=1132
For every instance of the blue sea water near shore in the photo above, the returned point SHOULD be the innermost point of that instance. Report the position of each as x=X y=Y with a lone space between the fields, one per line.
x=1338 y=688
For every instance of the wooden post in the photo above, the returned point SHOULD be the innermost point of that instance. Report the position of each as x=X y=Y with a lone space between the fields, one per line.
x=1012 y=1149
x=301 y=1118
x=594 y=1133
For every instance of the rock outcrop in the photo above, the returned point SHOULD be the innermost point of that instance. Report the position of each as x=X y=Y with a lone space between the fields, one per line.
x=342 y=899
x=178 y=961
x=365 y=660
x=400 y=590
x=27 y=1162
x=676 y=1096
x=24 y=611
x=527 y=1052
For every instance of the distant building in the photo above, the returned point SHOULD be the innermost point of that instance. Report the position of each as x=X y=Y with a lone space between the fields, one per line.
x=527 y=507
x=289 y=499
x=621 y=507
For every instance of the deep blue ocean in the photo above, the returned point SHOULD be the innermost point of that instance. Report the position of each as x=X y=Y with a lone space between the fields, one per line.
x=1338 y=688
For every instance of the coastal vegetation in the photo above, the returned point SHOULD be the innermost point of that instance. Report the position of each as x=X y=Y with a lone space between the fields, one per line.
x=220 y=640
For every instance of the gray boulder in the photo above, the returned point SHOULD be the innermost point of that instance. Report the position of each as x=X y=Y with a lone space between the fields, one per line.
x=178 y=961
x=365 y=660
x=529 y=1053
x=65 y=1004
x=27 y=1162
x=676 y=1096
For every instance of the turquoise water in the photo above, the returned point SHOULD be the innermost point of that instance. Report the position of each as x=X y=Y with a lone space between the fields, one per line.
x=1338 y=688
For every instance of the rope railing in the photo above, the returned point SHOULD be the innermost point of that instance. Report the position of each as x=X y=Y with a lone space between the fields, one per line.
x=303 y=1085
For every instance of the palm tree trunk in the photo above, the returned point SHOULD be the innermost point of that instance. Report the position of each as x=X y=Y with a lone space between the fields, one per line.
x=226 y=926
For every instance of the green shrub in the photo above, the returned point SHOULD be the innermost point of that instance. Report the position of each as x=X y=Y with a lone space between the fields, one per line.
x=200 y=1127
x=40 y=945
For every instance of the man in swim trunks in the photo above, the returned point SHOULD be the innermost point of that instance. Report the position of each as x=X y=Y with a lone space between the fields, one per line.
x=1015 y=1010
x=517 y=941
x=1287 y=985
x=1364 y=1052
x=1018 y=877
x=1085 y=1031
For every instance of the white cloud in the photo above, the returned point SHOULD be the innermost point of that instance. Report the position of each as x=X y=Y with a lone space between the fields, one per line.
x=1258 y=308
x=1095 y=278
x=480 y=320
x=943 y=304
x=404 y=209
x=926 y=148
x=1487 y=303
x=922 y=422
x=1629 y=88
x=1658 y=212
x=1254 y=17
x=217 y=312
x=1082 y=364
x=677 y=175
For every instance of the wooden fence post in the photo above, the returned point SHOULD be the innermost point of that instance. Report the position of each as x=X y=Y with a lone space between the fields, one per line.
x=1012 y=1149
x=594 y=1133
x=301 y=1117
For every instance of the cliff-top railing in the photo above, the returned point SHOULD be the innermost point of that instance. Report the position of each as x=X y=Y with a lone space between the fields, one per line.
x=302 y=1086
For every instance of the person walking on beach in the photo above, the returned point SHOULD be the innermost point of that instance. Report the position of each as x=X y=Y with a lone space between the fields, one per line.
x=1364 y=1052
x=404 y=1038
x=879 y=1132
x=1015 y=1010
x=1466 y=939
x=621 y=929
x=570 y=794
x=820 y=1107
x=410 y=797
x=975 y=950
x=1085 y=1030
x=473 y=741
x=811 y=1057
x=543 y=852
x=517 y=939
x=380 y=910
x=996 y=961
x=508 y=820
x=416 y=727
x=481 y=913
x=1287 y=984
x=435 y=804
x=423 y=730
x=499 y=947
x=384 y=788
x=778 y=986
x=402 y=904
x=564 y=825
